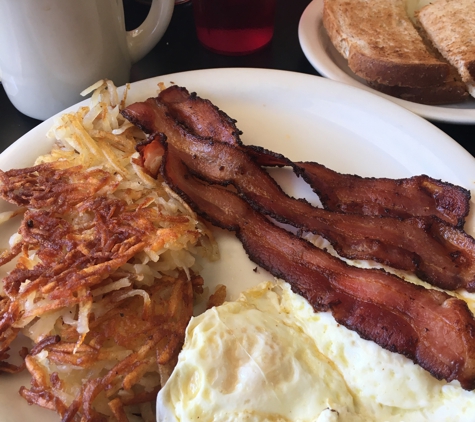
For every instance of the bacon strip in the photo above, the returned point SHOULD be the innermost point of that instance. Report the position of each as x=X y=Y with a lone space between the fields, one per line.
x=429 y=327
x=418 y=195
x=352 y=194
x=201 y=116
x=402 y=198
x=428 y=247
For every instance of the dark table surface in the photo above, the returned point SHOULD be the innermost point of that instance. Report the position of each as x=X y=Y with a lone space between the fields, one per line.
x=179 y=50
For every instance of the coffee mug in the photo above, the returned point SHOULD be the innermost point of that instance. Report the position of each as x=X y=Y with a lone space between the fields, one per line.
x=50 y=50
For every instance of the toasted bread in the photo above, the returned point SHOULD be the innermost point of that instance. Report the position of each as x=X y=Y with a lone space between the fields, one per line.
x=381 y=44
x=450 y=25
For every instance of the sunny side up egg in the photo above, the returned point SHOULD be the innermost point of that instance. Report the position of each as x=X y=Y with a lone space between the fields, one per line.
x=269 y=357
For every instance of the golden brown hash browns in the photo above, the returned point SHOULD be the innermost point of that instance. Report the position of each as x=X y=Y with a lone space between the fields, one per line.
x=124 y=359
x=104 y=270
x=83 y=244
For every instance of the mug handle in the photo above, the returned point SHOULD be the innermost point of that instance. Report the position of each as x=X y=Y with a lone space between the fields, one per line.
x=142 y=39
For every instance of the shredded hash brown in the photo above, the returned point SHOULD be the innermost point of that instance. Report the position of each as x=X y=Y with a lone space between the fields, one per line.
x=104 y=270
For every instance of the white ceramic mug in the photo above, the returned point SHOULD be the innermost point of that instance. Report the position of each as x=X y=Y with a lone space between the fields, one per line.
x=50 y=50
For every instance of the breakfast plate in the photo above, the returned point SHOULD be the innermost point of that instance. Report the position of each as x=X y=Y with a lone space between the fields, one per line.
x=323 y=56
x=301 y=116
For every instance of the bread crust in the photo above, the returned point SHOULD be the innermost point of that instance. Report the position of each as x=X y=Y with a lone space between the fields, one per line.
x=448 y=93
x=401 y=74
x=381 y=44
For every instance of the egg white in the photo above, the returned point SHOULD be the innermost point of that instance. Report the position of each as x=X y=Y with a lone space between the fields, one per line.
x=269 y=357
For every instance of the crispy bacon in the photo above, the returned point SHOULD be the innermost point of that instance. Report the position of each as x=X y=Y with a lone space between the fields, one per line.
x=404 y=198
x=431 y=328
x=399 y=316
x=427 y=246
x=200 y=116
x=415 y=196
x=352 y=194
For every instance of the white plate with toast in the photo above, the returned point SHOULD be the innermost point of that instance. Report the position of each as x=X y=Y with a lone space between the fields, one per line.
x=301 y=116
x=323 y=56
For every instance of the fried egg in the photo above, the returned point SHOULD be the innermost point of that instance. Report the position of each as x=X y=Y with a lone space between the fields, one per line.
x=269 y=357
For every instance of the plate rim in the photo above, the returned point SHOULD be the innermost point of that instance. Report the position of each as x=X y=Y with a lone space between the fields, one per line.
x=314 y=50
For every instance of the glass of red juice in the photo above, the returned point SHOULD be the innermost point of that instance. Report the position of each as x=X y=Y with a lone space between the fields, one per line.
x=234 y=27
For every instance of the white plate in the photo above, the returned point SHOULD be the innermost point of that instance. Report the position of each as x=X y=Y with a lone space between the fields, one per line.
x=302 y=116
x=321 y=54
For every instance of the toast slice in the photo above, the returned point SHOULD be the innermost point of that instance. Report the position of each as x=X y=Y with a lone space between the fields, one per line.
x=381 y=44
x=450 y=26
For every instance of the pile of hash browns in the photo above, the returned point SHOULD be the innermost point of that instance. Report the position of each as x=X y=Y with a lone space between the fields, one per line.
x=104 y=270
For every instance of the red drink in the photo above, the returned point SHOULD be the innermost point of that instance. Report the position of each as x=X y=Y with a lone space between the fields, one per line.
x=234 y=26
